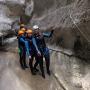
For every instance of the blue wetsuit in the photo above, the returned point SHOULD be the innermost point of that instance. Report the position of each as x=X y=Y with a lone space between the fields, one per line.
x=32 y=45
x=33 y=50
x=41 y=43
x=43 y=49
x=23 y=49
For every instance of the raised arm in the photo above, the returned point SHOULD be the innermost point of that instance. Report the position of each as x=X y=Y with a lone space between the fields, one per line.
x=48 y=34
x=34 y=42
x=26 y=45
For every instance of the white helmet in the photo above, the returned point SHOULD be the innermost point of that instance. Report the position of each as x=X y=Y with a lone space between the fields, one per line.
x=35 y=27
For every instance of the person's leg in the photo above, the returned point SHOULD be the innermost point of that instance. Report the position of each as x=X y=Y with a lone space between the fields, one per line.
x=47 y=59
x=31 y=65
x=36 y=64
x=39 y=60
x=41 y=66
x=24 y=58
x=24 y=61
x=21 y=62
x=21 y=57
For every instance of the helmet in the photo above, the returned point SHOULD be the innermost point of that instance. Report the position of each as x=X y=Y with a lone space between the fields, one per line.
x=20 y=32
x=35 y=27
x=23 y=29
x=29 y=31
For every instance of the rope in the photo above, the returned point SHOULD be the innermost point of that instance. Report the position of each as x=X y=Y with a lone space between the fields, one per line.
x=79 y=29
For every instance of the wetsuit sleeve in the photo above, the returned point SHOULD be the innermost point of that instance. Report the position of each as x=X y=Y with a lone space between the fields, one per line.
x=26 y=45
x=34 y=43
x=22 y=40
x=48 y=34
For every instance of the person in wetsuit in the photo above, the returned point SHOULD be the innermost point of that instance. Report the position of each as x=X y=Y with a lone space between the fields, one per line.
x=34 y=52
x=22 y=48
x=42 y=47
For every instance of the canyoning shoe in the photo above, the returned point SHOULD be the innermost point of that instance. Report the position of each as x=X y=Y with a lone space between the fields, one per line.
x=22 y=67
x=43 y=75
x=33 y=73
x=49 y=73
x=36 y=70
x=26 y=66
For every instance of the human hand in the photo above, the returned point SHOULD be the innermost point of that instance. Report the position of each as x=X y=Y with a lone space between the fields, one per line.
x=39 y=54
x=29 y=57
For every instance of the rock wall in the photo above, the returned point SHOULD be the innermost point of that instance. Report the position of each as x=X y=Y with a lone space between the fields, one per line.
x=12 y=10
x=72 y=72
x=69 y=18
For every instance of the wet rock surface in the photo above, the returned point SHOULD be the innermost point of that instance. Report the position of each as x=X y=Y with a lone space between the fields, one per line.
x=69 y=18
x=68 y=72
x=72 y=72
x=12 y=77
x=11 y=11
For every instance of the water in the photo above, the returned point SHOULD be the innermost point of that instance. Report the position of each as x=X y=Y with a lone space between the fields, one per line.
x=12 y=77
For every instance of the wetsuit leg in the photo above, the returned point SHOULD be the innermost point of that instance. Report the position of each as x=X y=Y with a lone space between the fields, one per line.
x=40 y=59
x=24 y=58
x=21 y=58
x=47 y=59
x=31 y=65
x=36 y=63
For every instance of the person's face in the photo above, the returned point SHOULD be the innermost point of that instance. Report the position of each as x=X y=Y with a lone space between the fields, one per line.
x=20 y=35
x=22 y=27
x=29 y=34
x=36 y=31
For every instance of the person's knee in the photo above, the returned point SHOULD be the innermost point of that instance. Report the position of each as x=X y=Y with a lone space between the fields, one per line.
x=47 y=56
x=46 y=52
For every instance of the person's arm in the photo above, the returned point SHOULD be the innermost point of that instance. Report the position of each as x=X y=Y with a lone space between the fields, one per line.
x=26 y=45
x=34 y=42
x=22 y=40
x=48 y=34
